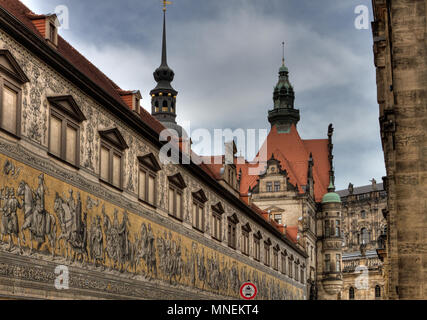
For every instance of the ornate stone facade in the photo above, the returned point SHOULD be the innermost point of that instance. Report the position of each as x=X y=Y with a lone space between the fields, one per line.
x=399 y=34
x=115 y=245
x=363 y=229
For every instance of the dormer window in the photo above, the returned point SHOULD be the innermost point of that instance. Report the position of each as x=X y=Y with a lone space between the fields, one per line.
x=52 y=32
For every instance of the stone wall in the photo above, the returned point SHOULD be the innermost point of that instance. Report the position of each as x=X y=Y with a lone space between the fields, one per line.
x=399 y=32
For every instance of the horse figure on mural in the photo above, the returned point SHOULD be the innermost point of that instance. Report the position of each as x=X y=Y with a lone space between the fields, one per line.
x=73 y=235
x=41 y=224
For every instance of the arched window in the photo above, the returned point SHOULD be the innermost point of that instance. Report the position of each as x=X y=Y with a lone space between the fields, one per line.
x=364 y=235
x=351 y=293
x=377 y=292
x=156 y=106
x=165 y=106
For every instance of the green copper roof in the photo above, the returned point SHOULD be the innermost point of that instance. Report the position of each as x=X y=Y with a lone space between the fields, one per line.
x=331 y=197
x=283 y=69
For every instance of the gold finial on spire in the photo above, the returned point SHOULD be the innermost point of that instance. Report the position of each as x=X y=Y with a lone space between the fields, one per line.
x=283 y=55
x=165 y=3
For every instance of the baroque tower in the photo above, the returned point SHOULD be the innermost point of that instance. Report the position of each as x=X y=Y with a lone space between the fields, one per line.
x=329 y=246
x=163 y=96
x=283 y=114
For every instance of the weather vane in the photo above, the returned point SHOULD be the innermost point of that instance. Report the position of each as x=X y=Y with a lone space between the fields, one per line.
x=165 y=3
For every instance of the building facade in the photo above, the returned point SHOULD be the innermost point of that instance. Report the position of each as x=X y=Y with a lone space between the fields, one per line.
x=83 y=189
x=399 y=34
x=364 y=228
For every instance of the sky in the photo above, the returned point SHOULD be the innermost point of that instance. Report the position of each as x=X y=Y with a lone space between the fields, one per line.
x=226 y=55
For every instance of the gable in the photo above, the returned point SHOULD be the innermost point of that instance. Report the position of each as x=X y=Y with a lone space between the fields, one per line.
x=150 y=161
x=177 y=180
x=68 y=105
x=200 y=196
x=114 y=137
x=10 y=66
x=218 y=208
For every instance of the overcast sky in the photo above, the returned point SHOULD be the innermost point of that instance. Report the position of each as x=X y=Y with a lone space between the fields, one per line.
x=226 y=55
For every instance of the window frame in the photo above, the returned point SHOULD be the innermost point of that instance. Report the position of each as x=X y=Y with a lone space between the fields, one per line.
x=66 y=121
x=176 y=191
x=6 y=81
x=276 y=258
x=232 y=232
x=200 y=205
x=112 y=150
x=257 y=247
x=245 y=247
x=216 y=230
x=267 y=253
x=148 y=173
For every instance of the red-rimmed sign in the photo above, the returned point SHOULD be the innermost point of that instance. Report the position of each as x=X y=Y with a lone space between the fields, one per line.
x=248 y=291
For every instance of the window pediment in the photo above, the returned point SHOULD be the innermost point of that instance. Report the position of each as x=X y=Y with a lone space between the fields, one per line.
x=178 y=181
x=150 y=161
x=258 y=235
x=268 y=242
x=10 y=66
x=247 y=227
x=68 y=105
x=200 y=196
x=233 y=218
x=276 y=247
x=218 y=208
x=114 y=137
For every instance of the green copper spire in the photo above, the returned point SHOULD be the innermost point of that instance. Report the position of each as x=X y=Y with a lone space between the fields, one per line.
x=331 y=196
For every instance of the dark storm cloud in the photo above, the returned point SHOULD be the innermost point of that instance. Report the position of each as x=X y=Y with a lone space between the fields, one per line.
x=226 y=54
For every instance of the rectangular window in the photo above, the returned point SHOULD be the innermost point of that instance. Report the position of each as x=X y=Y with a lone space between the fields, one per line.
x=276 y=186
x=52 y=29
x=198 y=215
x=245 y=242
x=327 y=263
x=142 y=182
x=267 y=254
x=269 y=186
x=217 y=225
x=257 y=249
x=296 y=271
x=278 y=218
x=232 y=234
x=9 y=114
x=175 y=202
x=337 y=228
x=71 y=145
x=117 y=170
x=283 y=264
x=275 y=260
x=151 y=189
x=327 y=230
x=290 y=268
x=302 y=276
x=55 y=136
x=63 y=137
x=147 y=185
x=111 y=166
x=338 y=263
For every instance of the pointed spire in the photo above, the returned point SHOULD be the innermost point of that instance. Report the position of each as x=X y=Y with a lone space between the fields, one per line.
x=283 y=56
x=164 y=51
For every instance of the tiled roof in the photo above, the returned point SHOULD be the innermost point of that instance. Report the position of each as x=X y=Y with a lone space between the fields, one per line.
x=361 y=190
x=293 y=154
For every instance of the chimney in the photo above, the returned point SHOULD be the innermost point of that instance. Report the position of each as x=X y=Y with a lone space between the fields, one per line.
x=47 y=26
x=132 y=99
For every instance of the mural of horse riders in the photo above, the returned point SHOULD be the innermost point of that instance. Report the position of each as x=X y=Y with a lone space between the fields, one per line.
x=118 y=246
x=9 y=220
x=73 y=237
x=41 y=224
